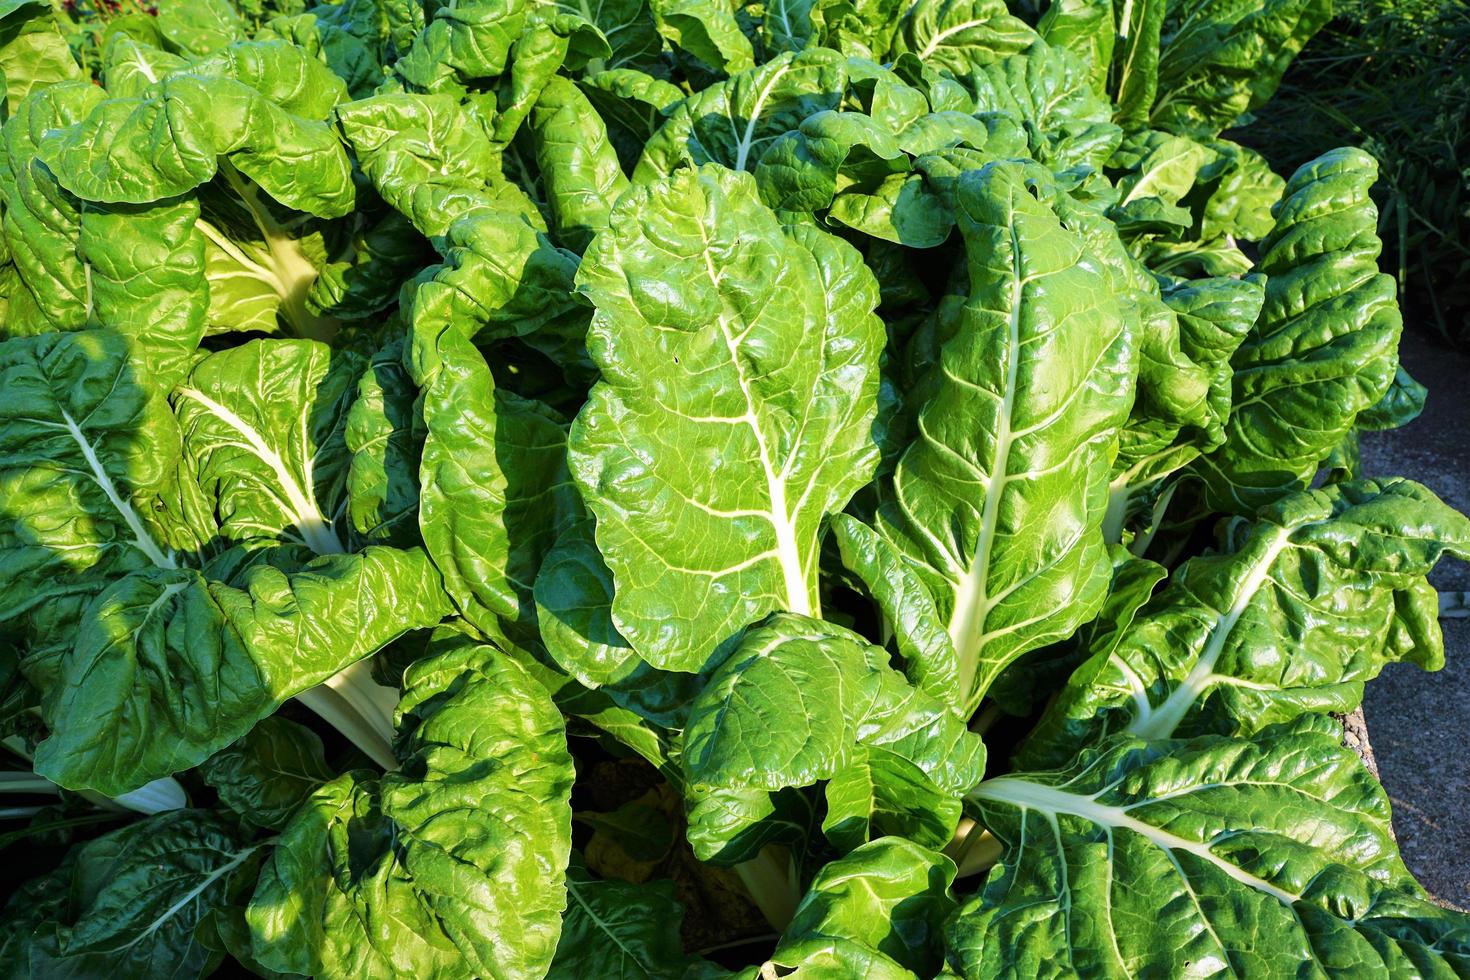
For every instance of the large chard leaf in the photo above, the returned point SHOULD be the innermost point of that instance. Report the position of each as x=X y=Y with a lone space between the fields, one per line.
x=264 y=422
x=1220 y=58
x=618 y=929
x=706 y=30
x=267 y=774
x=84 y=448
x=495 y=491
x=72 y=258
x=959 y=35
x=732 y=122
x=740 y=375
x=730 y=745
x=169 y=666
x=996 y=505
x=171 y=139
x=462 y=42
x=430 y=870
x=129 y=902
x=33 y=54
x=579 y=168
x=1325 y=347
x=891 y=896
x=1044 y=88
x=1254 y=858
x=1311 y=602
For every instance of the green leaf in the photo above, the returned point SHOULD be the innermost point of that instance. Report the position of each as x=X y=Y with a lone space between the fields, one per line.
x=881 y=793
x=632 y=104
x=730 y=123
x=1258 y=858
x=617 y=929
x=85 y=445
x=960 y=35
x=33 y=54
x=1084 y=27
x=1325 y=345
x=996 y=504
x=70 y=257
x=628 y=28
x=929 y=658
x=740 y=373
x=429 y=157
x=573 y=593
x=199 y=26
x=823 y=958
x=891 y=895
x=385 y=434
x=265 y=423
x=776 y=671
x=579 y=169
x=1400 y=405
x=494 y=487
x=706 y=29
x=462 y=42
x=1309 y=603
x=169 y=667
x=173 y=138
x=463 y=847
x=267 y=774
x=1135 y=76
x=1045 y=90
x=128 y=903
x=1222 y=58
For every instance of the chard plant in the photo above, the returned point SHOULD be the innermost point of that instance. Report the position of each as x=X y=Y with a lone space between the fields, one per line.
x=683 y=489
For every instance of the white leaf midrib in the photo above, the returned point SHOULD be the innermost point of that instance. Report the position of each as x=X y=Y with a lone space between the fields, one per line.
x=788 y=553
x=1050 y=801
x=1160 y=722
x=142 y=539
x=966 y=623
x=307 y=515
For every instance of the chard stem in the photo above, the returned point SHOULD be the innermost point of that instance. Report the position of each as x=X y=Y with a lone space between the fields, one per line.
x=770 y=878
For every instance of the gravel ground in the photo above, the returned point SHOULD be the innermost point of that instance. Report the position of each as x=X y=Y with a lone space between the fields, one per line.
x=1419 y=723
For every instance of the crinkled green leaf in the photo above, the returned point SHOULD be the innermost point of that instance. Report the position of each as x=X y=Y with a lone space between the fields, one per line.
x=573 y=593
x=579 y=168
x=199 y=26
x=705 y=29
x=494 y=488
x=960 y=35
x=890 y=895
x=385 y=434
x=617 y=929
x=731 y=122
x=268 y=773
x=1259 y=858
x=837 y=693
x=461 y=849
x=880 y=793
x=462 y=42
x=172 y=139
x=265 y=423
x=85 y=447
x=33 y=54
x=632 y=104
x=739 y=389
x=1325 y=345
x=1324 y=589
x=996 y=504
x=128 y=903
x=168 y=666
x=1221 y=58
